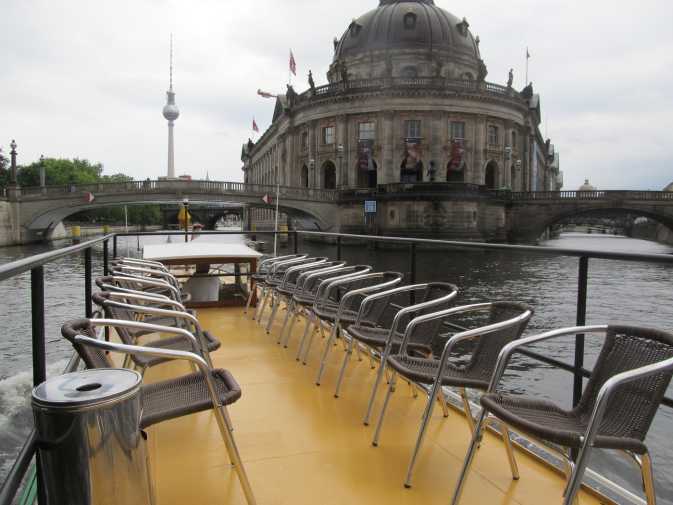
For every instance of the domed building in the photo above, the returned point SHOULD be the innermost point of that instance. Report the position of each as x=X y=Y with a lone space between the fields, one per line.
x=408 y=118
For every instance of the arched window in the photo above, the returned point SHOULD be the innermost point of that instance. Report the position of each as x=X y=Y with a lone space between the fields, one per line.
x=491 y=178
x=329 y=175
x=303 y=178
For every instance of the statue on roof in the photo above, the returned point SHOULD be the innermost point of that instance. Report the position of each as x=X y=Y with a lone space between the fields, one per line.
x=343 y=71
x=311 y=82
x=336 y=44
x=291 y=96
x=510 y=79
x=482 y=72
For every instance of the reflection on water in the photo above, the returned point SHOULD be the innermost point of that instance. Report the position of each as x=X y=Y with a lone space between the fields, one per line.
x=619 y=292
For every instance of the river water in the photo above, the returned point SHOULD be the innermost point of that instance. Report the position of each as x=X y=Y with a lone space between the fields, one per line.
x=619 y=292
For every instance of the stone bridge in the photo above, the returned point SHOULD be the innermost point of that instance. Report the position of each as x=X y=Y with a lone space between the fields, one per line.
x=38 y=210
x=523 y=217
x=530 y=214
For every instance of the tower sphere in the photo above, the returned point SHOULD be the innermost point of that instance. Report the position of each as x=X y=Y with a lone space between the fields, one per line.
x=171 y=111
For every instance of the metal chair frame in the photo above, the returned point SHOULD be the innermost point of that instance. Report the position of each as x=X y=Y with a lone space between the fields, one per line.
x=147 y=272
x=276 y=291
x=261 y=270
x=265 y=286
x=140 y=263
x=292 y=312
x=401 y=313
x=221 y=414
x=337 y=325
x=436 y=390
x=574 y=470
x=335 y=274
x=150 y=284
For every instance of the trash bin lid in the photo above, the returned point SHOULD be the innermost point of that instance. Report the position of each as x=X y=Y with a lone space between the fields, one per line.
x=87 y=388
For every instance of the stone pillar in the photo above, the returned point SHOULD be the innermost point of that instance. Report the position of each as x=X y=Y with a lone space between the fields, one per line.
x=313 y=154
x=476 y=177
x=342 y=157
x=437 y=141
x=387 y=163
x=13 y=173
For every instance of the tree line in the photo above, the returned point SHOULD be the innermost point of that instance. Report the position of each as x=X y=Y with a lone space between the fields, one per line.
x=61 y=172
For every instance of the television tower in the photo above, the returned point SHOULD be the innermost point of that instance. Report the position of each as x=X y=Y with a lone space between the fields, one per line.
x=171 y=113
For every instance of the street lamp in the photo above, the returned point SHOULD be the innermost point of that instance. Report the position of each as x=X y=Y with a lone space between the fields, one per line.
x=43 y=173
x=13 y=155
x=185 y=205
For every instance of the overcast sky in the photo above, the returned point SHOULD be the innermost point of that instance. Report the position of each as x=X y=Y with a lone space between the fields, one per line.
x=87 y=78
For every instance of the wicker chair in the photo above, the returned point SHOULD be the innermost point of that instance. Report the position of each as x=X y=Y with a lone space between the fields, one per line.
x=285 y=282
x=258 y=278
x=505 y=322
x=340 y=304
x=202 y=343
x=309 y=286
x=147 y=286
x=135 y=262
x=202 y=390
x=616 y=409
x=142 y=273
x=386 y=314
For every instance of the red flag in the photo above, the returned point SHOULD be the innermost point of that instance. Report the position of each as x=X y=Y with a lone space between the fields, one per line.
x=265 y=94
x=293 y=64
x=266 y=199
x=255 y=128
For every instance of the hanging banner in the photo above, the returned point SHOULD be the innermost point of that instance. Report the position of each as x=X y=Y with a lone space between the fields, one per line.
x=411 y=169
x=365 y=154
x=457 y=162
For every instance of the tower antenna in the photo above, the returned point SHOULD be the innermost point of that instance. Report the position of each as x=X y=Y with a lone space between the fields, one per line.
x=171 y=65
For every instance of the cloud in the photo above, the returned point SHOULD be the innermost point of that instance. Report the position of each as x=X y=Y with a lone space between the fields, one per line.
x=88 y=79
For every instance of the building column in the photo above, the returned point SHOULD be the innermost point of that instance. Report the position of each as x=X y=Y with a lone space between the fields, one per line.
x=479 y=151
x=342 y=160
x=388 y=143
x=437 y=142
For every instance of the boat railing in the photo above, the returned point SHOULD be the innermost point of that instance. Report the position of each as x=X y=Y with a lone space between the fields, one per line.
x=36 y=265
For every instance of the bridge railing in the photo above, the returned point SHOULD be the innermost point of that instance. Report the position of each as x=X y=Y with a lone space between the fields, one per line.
x=585 y=195
x=185 y=187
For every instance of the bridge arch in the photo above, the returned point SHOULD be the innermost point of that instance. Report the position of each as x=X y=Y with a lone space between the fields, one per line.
x=41 y=211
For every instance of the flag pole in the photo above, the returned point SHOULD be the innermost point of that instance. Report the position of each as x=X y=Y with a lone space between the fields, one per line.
x=275 y=235
x=527 y=60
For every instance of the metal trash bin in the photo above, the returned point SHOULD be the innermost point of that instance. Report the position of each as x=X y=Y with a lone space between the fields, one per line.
x=91 y=448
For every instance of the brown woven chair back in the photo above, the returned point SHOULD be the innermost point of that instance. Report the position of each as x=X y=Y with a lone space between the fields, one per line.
x=102 y=299
x=92 y=357
x=382 y=312
x=353 y=304
x=633 y=405
x=487 y=350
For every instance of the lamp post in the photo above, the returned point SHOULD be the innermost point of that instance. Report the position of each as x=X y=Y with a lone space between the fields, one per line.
x=185 y=205
x=340 y=158
x=43 y=173
x=12 y=153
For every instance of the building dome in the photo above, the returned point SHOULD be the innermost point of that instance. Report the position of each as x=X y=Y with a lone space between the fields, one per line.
x=669 y=188
x=412 y=27
x=586 y=186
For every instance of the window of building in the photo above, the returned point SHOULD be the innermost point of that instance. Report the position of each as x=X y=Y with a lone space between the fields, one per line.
x=304 y=140
x=367 y=131
x=409 y=72
x=410 y=21
x=493 y=135
x=328 y=133
x=457 y=130
x=413 y=128
x=513 y=139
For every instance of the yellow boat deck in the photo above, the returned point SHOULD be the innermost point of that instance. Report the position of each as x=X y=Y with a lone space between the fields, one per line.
x=301 y=446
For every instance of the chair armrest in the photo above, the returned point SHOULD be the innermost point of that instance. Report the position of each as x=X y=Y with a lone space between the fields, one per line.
x=144 y=309
x=509 y=349
x=170 y=278
x=147 y=282
x=145 y=298
x=425 y=318
x=410 y=310
x=299 y=268
x=153 y=328
x=364 y=291
x=116 y=289
x=383 y=294
x=157 y=353
x=324 y=285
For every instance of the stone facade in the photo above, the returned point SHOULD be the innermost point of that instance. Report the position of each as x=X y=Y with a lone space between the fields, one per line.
x=407 y=101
